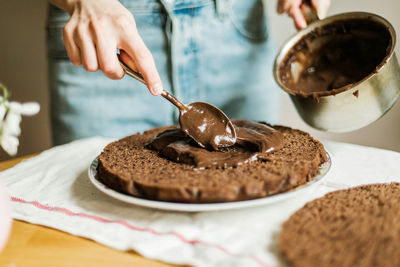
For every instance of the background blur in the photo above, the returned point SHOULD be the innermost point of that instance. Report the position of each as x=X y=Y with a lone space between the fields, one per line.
x=23 y=69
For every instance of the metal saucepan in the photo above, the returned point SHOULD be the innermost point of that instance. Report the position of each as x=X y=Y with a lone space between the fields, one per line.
x=351 y=106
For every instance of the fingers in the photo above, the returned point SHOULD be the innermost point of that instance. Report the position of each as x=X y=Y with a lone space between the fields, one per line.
x=79 y=44
x=87 y=46
x=298 y=17
x=107 y=56
x=109 y=63
x=143 y=60
x=283 y=6
x=73 y=51
x=322 y=7
x=128 y=60
x=85 y=42
x=92 y=37
x=293 y=8
x=296 y=9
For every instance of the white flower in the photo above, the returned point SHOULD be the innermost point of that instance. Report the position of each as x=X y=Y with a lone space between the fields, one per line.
x=30 y=108
x=27 y=109
x=10 y=119
x=11 y=124
x=2 y=113
x=10 y=144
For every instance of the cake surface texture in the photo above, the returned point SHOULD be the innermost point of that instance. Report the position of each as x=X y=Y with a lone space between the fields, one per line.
x=130 y=166
x=354 y=227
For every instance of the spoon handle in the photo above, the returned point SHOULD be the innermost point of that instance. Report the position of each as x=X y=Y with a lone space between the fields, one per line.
x=174 y=101
x=138 y=76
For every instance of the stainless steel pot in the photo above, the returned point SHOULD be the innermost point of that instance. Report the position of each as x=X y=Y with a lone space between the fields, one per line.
x=361 y=103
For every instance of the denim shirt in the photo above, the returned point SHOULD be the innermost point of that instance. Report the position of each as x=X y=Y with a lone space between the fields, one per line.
x=214 y=51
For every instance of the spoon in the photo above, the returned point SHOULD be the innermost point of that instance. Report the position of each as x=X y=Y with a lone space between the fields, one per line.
x=203 y=122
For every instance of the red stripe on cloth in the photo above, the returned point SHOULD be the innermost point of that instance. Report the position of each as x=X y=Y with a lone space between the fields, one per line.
x=136 y=228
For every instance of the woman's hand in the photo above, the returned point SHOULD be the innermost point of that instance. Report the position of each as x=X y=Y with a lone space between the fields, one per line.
x=296 y=9
x=96 y=29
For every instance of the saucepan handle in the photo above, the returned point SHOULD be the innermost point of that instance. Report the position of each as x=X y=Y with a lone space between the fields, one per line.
x=309 y=12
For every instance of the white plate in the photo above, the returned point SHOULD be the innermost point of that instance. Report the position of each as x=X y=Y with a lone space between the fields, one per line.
x=188 y=207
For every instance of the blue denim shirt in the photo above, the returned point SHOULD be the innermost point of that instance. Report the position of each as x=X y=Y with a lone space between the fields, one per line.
x=214 y=51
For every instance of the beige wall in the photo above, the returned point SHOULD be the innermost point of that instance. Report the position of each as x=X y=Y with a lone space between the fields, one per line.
x=23 y=69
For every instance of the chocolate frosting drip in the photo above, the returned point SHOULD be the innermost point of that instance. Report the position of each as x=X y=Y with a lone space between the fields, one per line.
x=253 y=140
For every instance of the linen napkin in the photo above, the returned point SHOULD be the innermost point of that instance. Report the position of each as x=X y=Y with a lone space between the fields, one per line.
x=53 y=189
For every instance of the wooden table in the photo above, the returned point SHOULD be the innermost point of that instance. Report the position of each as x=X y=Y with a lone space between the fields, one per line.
x=33 y=245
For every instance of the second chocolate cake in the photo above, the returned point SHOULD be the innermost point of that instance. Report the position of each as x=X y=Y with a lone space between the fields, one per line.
x=345 y=228
x=163 y=164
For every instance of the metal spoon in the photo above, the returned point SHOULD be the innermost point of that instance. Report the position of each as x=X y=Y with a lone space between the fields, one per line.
x=203 y=122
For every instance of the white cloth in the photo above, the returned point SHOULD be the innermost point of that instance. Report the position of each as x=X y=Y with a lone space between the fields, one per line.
x=53 y=189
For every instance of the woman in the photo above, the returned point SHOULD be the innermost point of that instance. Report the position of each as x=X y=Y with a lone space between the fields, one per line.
x=217 y=51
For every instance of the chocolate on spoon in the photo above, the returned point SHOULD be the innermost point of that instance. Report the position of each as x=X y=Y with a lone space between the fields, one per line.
x=203 y=122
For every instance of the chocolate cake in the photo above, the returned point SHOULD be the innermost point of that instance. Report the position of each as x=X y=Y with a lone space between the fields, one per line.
x=163 y=164
x=354 y=227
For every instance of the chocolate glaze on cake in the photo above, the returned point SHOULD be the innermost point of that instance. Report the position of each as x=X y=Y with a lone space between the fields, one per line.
x=129 y=166
x=354 y=227
x=335 y=57
x=253 y=140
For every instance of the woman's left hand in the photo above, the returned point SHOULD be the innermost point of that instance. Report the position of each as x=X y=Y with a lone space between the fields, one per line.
x=294 y=8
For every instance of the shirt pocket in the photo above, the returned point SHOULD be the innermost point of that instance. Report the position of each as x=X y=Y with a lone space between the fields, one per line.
x=249 y=18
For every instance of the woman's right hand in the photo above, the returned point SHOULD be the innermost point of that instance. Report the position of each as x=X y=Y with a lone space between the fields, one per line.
x=295 y=9
x=96 y=29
